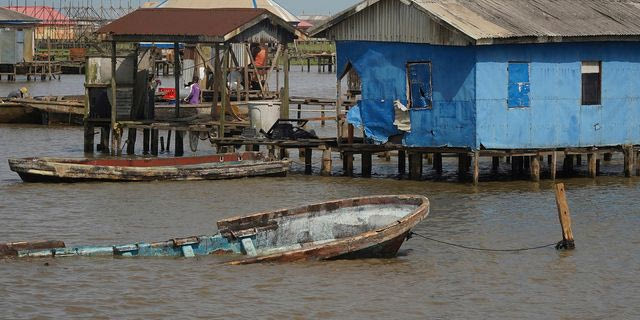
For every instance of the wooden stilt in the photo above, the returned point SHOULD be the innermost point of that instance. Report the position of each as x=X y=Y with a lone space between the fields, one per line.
x=608 y=156
x=154 y=142
x=104 y=139
x=89 y=138
x=415 y=166
x=429 y=158
x=476 y=168
x=598 y=162
x=162 y=144
x=527 y=163
x=366 y=164
x=553 y=165
x=168 y=141
x=146 y=134
x=514 y=167
x=565 y=219
x=347 y=165
x=179 y=144
x=549 y=159
x=402 y=162
x=131 y=140
x=592 y=159
x=308 y=169
x=578 y=160
x=495 y=164
x=637 y=164
x=628 y=160
x=507 y=159
x=462 y=165
x=437 y=162
x=326 y=161
x=567 y=166
x=535 y=168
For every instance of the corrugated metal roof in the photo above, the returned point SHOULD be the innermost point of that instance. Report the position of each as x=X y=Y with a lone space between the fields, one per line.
x=486 y=21
x=47 y=15
x=270 y=5
x=12 y=17
x=205 y=25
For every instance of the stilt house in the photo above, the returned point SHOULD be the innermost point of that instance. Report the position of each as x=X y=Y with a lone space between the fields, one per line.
x=493 y=74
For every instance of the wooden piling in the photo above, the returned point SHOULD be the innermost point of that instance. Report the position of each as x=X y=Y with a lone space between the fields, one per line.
x=179 y=144
x=565 y=219
x=402 y=163
x=104 y=139
x=415 y=166
x=476 y=168
x=366 y=164
x=495 y=164
x=578 y=160
x=131 y=141
x=168 y=149
x=326 y=161
x=89 y=137
x=347 y=164
x=553 y=165
x=154 y=142
x=592 y=160
x=146 y=134
x=535 y=168
x=463 y=165
x=628 y=160
x=567 y=166
x=308 y=169
x=437 y=162
x=608 y=156
x=162 y=144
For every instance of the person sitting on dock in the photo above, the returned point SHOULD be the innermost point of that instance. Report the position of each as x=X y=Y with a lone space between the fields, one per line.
x=19 y=94
x=194 y=91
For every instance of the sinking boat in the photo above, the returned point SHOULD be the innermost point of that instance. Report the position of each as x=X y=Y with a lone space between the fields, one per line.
x=213 y=167
x=357 y=228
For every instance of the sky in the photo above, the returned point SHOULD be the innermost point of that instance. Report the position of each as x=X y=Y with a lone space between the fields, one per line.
x=324 y=7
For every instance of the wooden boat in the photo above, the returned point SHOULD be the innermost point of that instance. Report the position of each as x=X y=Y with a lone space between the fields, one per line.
x=214 y=167
x=369 y=227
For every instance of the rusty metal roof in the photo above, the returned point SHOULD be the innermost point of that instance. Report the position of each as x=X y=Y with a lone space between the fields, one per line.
x=188 y=25
x=15 y=18
x=497 y=21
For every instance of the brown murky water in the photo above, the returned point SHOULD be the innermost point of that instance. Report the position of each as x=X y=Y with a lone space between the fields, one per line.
x=428 y=280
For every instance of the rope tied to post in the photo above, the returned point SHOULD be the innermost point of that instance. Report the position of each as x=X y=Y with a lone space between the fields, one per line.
x=411 y=234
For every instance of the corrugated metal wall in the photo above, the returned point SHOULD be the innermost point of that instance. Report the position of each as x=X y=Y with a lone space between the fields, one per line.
x=8 y=46
x=393 y=21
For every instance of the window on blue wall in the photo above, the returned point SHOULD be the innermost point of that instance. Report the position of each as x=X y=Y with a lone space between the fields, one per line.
x=519 y=85
x=591 y=83
x=419 y=83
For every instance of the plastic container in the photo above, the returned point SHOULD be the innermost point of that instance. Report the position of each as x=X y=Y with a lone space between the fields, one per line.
x=169 y=93
x=263 y=114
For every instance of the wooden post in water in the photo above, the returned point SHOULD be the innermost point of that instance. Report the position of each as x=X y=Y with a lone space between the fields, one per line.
x=308 y=169
x=608 y=156
x=347 y=165
x=131 y=140
x=224 y=94
x=437 y=162
x=114 y=103
x=179 y=146
x=535 y=168
x=476 y=168
x=592 y=160
x=326 y=161
x=462 y=166
x=89 y=137
x=284 y=111
x=495 y=164
x=553 y=165
x=628 y=160
x=402 y=162
x=146 y=133
x=366 y=164
x=154 y=141
x=565 y=219
x=415 y=166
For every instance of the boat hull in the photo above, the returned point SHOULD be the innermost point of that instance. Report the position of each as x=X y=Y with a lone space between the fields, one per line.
x=382 y=242
x=218 y=167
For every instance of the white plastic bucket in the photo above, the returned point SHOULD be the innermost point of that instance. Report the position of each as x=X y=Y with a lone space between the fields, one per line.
x=263 y=114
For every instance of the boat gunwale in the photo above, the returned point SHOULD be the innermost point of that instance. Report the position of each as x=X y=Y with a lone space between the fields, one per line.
x=338 y=246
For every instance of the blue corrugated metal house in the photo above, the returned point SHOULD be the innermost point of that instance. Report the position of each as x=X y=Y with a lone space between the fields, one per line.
x=494 y=74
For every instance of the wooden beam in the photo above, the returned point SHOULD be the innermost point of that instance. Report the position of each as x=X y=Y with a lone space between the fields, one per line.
x=565 y=219
x=224 y=93
x=179 y=139
x=553 y=167
x=114 y=103
x=284 y=110
x=217 y=79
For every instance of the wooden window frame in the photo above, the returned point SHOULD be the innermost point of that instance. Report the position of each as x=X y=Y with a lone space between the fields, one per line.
x=583 y=101
x=408 y=81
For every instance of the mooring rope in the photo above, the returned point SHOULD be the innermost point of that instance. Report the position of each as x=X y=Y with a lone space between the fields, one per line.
x=475 y=248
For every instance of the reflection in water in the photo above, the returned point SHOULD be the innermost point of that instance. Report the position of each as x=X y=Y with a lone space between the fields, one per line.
x=427 y=280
